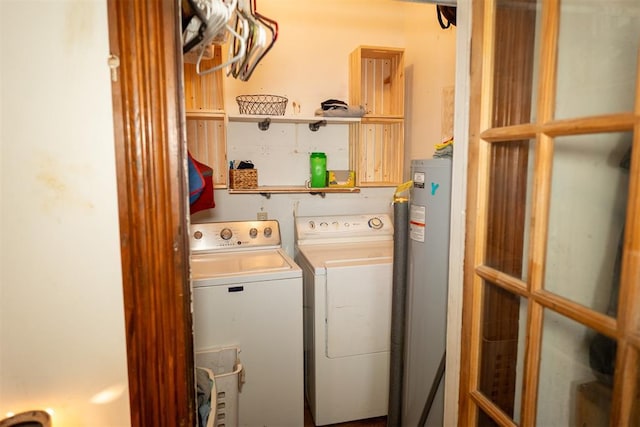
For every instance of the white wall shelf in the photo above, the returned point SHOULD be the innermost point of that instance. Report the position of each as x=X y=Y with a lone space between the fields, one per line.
x=315 y=122
x=291 y=119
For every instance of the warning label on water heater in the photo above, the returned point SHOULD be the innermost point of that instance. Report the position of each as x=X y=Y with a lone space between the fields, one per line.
x=417 y=222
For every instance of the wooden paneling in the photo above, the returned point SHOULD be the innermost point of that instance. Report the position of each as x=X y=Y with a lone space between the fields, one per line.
x=204 y=92
x=150 y=152
x=376 y=82
x=206 y=141
x=206 y=126
x=380 y=151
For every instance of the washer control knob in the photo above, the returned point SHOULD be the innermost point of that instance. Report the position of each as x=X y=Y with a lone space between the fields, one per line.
x=375 y=223
x=312 y=225
x=197 y=235
x=226 y=233
x=253 y=233
x=323 y=224
x=267 y=232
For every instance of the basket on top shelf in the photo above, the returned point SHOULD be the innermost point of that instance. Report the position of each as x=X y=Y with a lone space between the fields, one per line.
x=269 y=105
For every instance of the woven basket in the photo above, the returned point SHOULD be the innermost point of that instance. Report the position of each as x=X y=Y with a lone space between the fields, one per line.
x=243 y=178
x=269 y=105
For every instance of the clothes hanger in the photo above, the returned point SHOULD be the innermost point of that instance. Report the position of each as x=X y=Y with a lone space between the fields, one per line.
x=231 y=61
x=270 y=25
x=193 y=32
x=219 y=13
x=246 y=26
x=258 y=42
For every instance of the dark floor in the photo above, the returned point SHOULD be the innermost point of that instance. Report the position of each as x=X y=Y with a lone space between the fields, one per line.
x=370 y=422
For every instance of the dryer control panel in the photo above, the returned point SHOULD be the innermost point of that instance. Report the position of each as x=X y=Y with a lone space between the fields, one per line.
x=343 y=228
x=234 y=235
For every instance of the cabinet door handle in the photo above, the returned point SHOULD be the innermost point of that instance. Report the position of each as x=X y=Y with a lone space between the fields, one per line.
x=236 y=289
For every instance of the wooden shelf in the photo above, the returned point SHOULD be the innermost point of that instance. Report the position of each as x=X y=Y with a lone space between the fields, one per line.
x=204 y=114
x=268 y=190
x=370 y=118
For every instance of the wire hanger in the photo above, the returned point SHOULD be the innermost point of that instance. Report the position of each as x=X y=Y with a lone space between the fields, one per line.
x=272 y=26
x=238 y=57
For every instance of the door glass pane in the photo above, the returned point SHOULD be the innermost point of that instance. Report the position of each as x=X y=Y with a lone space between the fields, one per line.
x=485 y=420
x=509 y=189
x=597 y=57
x=502 y=347
x=576 y=367
x=515 y=33
x=586 y=218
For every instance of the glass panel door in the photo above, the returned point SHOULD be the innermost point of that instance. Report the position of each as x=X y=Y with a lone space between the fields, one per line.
x=552 y=301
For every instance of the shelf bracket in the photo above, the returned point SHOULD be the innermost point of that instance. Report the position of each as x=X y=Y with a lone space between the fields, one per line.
x=318 y=193
x=264 y=125
x=314 y=126
x=266 y=195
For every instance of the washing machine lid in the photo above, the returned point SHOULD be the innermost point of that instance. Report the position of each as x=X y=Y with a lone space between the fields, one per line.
x=246 y=266
x=321 y=257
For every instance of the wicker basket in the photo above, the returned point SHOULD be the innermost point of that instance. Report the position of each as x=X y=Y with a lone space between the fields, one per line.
x=269 y=105
x=243 y=178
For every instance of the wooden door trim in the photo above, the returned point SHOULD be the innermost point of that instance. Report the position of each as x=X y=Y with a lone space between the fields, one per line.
x=150 y=162
x=467 y=411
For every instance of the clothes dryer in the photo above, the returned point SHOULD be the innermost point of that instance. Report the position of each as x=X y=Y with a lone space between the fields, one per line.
x=347 y=264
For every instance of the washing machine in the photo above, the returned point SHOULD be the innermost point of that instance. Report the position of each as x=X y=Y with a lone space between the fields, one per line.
x=247 y=293
x=347 y=265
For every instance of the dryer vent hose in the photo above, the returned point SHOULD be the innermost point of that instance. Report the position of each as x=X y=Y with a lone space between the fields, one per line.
x=398 y=308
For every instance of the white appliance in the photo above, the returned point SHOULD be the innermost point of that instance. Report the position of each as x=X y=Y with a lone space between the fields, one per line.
x=347 y=264
x=427 y=275
x=247 y=293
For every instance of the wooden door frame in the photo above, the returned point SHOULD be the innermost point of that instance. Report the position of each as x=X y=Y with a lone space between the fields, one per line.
x=151 y=163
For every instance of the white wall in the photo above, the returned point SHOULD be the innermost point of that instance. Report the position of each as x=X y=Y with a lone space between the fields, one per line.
x=62 y=341
x=310 y=63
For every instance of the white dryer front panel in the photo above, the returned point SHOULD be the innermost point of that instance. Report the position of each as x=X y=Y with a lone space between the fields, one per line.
x=358 y=298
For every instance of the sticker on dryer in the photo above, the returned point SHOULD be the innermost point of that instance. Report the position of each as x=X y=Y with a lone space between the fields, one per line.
x=417 y=224
x=418 y=179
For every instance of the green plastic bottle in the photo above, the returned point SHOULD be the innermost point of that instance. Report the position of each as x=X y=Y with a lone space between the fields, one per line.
x=318 y=170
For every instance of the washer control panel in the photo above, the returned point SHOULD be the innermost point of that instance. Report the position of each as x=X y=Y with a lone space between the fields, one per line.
x=344 y=227
x=234 y=235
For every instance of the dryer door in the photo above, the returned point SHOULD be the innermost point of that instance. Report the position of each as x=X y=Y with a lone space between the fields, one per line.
x=358 y=307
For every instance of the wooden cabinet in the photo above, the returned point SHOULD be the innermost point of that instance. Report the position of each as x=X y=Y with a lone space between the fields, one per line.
x=206 y=128
x=376 y=81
